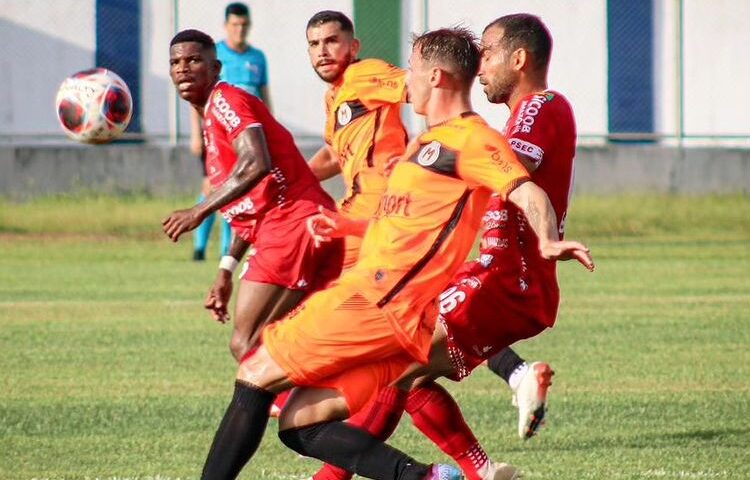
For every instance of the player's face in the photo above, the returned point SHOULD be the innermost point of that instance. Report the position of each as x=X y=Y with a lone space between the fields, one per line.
x=193 y=70
x=237 y=28
x=331 y=50
x=418 y=82
x=496 y=73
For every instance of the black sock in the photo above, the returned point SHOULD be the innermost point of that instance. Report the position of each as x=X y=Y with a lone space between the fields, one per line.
x=239 y=433
x=354 y=450
x=504 y=362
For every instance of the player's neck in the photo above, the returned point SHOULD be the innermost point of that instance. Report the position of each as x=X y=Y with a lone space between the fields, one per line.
x=524 y=89
x=239 y=47
x=446 y=106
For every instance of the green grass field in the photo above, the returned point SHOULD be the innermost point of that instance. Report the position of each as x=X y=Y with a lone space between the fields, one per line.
x=111 y=370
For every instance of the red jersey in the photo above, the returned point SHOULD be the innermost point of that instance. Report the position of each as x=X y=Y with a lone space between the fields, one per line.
x=543 y=128
x=228 y=112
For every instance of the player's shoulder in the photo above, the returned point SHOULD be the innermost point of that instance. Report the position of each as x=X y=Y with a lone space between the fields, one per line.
x=367 y=67
x=472 y=128
x=548 y=101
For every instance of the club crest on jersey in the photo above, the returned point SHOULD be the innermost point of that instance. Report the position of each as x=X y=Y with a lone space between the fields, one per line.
x=344 y=114
x=429 y=154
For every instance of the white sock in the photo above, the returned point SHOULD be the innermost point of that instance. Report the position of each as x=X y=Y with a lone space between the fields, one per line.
x=515 y=378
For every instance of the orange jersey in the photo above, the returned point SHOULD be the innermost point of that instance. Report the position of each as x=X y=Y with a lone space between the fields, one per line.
x=364 y=129
x=426 y=222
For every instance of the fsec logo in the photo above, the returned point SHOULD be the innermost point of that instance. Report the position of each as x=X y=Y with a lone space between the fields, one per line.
x=429 y=154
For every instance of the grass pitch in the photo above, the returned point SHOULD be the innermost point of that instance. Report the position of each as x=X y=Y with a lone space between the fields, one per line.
x=111 y=370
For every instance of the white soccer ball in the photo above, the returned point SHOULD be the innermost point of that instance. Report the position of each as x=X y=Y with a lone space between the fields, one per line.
x=94 y=106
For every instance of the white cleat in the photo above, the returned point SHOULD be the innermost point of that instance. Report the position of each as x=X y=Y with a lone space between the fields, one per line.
x=531 y=398
x=503 y=471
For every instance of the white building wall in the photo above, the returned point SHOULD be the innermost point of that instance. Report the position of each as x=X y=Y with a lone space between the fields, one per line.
x=45 y=40
x=42 y=43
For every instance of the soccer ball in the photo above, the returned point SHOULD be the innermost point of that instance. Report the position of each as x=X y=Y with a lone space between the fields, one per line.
x=94 y=106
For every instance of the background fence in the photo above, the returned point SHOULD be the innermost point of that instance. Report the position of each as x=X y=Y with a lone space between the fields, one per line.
x=670 y=71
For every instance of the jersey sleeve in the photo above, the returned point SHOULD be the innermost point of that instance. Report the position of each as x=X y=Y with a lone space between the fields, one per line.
x=488 y=161
x=377 y=83
x=532 y=128
x=234 y=111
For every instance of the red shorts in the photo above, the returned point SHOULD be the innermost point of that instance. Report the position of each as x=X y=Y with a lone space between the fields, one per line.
x=482 y=314
x=285 y=254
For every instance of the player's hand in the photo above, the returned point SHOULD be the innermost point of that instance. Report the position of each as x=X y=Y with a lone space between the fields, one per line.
x=390 y=165
x=325 y=225
x=179 y=222
x=217 y=300
x=568 y=250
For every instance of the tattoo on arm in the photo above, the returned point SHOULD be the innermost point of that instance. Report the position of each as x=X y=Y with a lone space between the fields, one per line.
x=253 y=164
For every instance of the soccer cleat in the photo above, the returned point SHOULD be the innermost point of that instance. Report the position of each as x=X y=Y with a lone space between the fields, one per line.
x=199 y=255
x=503 y=471
x=441 y=471
x=531 y=398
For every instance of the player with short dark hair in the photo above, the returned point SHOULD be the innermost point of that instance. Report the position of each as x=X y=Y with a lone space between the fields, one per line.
x=236 y=8
x=263 y=188
x=380 y=314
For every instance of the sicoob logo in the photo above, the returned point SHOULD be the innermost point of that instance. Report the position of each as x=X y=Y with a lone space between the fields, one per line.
x=224 y=113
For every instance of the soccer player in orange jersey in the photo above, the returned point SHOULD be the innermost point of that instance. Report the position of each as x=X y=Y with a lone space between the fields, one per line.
x=379 y=317
x=510 y=292
x=364 y=130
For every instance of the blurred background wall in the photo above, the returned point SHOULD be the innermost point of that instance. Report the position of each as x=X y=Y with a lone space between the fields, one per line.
x=642 y=75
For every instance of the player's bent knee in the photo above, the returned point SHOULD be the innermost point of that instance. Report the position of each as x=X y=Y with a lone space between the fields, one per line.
x=258 y=368
x=239 y=345
x=309 y=406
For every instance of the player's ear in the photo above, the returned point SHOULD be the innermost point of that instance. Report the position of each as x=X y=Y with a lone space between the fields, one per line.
x=519 y=58
x=355 y=47
x=217 y=66
x=436 y=76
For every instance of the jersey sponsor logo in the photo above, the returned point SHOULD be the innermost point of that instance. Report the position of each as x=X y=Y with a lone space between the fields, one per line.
x=224 y=112
x=429 y=154
x=245 y=206
x=392 y=205
x=486 y=259
x=528 y=149
x=497 y=159
x=384 y=83
x=344 y=114
x=528 y=111
x=472 y=282
x=494 y=242
x=495 y=215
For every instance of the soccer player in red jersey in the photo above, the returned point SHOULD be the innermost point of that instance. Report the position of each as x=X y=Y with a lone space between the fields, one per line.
x=379 y=316
x=510 y=292
x=263 y=188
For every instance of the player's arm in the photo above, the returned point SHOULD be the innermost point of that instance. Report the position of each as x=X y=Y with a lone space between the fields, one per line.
x=253 y=163
x=265 y=95
x=535 y=204
x=217 y=300
x=324 y=164
x=328 y=224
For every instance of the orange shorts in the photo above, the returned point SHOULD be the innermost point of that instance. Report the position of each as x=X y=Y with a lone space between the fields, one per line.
x=337 y=339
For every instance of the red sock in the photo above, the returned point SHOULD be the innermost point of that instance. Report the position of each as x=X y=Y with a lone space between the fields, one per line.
x=436 y=414
x=379 y=418
x=280 y=401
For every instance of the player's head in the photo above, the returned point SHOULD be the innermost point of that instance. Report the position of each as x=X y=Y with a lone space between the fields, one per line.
x=193 y=66
x=331 y=44
x=237 y=24
x=512 y=46
x=442 y=59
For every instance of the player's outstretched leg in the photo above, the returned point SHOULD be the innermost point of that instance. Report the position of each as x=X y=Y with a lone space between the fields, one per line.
x=530 y=384
x=437 y=415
